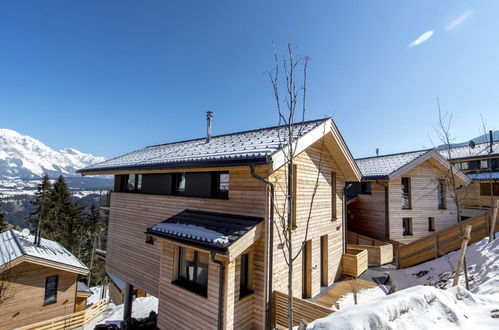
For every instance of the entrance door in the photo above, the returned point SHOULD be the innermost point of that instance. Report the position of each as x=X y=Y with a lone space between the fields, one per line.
x=324 y=261
x=307 y=270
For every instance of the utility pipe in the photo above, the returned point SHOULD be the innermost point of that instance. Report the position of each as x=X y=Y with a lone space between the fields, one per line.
x=221 y=284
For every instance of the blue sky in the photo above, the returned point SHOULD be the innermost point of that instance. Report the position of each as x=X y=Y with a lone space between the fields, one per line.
x=108 y=77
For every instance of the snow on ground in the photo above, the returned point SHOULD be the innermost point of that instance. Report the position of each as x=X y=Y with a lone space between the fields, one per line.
x=114 y=314
x=97 y=294
x=363 y=296
x=434 y=304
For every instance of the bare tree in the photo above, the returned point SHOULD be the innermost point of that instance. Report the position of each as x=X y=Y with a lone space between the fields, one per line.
x=6 y=291
x=489 y=139
x=291 y=111
x=354 y=287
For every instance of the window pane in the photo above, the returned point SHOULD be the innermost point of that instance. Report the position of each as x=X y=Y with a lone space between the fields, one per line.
x=131 y=183
x=407 y=226
x=139 y=181
x=441 y=194
x=202 y=268
x=51 y=289
x=223 y=185
x=406 y=193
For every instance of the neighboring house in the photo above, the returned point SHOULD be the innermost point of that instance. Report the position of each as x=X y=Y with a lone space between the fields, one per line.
x=403 y=197
x=41 y=279
x=117 y=289
x=189 y=223
x=481 y=164
x=82 y=293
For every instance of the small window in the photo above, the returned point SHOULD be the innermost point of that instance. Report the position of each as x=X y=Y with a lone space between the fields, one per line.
x=334 y=212
x=133 y=182
x=431 y=224
x=406 y=193
x=485 y=189
x=51 y=289
x=193 y=270
x=221 y=184
x=179 y=184
x=130 y=186
x=365 y=188
x=407 y=226
x=244 y=276
x=441 y=194
x=483 y=164
x=464 y=165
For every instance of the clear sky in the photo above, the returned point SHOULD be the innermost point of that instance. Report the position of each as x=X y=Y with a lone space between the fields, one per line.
x=108 y=77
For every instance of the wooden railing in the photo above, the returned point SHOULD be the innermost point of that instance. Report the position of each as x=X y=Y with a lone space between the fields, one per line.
x=302 y=310
x=70 y=321
x=442 y=242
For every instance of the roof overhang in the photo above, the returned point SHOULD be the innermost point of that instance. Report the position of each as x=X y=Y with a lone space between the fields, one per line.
x=334 y=143
x=46 y=263
x=431 y=154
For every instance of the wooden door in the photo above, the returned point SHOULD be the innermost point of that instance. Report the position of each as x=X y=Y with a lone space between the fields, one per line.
x=307 y=270
x=324 y=261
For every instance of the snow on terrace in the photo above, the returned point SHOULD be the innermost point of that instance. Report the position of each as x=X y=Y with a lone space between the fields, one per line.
x=425 y=299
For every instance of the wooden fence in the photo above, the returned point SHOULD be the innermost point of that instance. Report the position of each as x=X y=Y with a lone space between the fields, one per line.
x=442 y=242
x=70 y=321
x=302 y=310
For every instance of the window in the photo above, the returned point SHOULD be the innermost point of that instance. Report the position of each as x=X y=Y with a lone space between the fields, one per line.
x=464 y=165
x=406 y=193
x=365 y=188
x=133 y=183
x=483 y=164
x=431 y=224
x=485 y=189
x=441 y=194
x=179 y=184
x=333 y=197
x=221 y=184
x=130 y=185
x=51 y=289
x=407 y=226
x=294 y=192
x=193 y=270
x=245 y=276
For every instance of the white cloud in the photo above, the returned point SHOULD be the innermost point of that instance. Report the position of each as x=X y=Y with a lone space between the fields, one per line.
x=459 y=20
x=422 y=38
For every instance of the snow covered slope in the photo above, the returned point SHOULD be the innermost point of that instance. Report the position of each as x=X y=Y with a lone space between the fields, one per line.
x=23 y=157
x=426 y=300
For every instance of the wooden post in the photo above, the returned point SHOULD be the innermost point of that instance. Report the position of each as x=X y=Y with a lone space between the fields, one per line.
x=493 y=221
x=464 y=244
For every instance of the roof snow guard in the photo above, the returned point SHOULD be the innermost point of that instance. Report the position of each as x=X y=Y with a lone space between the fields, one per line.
x=255 y=146
x=206 y=230
x=15 y=247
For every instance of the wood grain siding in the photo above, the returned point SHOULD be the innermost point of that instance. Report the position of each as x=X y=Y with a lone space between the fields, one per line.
x=131 y=214
x=320 y=224
x=367 y=214
x=471 y=196
x=27 y=304
x=424 y=203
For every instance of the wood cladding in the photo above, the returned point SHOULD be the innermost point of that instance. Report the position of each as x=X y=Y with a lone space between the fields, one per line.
x=28 y=288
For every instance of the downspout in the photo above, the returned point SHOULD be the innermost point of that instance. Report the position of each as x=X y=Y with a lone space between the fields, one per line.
x=270 y=230
x=387 y=217
x=221 y=284
x=345 y=215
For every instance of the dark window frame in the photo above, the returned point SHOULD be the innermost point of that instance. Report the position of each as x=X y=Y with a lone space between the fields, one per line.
x=407 y=227
x=191 y=285
x=431 y=223
x=50 y=298
x=406 y=193
x=244 y=276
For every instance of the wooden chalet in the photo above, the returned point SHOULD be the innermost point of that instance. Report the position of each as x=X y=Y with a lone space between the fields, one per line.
x=481 y=164
x=189 y=222
x=403 y=197
x=117 y=288
x=40 y=281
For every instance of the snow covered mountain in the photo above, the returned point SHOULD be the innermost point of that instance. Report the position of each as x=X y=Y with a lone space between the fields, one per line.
x=23 y=157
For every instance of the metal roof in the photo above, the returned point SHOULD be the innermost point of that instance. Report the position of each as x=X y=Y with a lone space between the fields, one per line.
x=210 y=230
x=380 y=167
x=480 y=150
x=14 y=245
x=484 y=176
x=248 y=146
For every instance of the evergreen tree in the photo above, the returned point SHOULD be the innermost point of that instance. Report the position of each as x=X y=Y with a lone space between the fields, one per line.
x=41 y=203
x=4 y=225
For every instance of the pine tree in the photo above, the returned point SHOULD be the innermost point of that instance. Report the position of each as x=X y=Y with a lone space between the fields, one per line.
x=4 y=225
x=41 y=204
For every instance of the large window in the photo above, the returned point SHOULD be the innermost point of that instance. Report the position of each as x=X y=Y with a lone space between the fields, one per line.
x=334 y=213
x=51 y=289
x=407 y=226
x=406 y=193
x=485 y=189
x=245 y=276
x=441 y=194
x=193 y=270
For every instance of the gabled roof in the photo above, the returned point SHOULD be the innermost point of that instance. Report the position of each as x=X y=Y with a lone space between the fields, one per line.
x=260 y=146
x=15 y=247
x=212 y=231
x=390 y=167
x=481 y=150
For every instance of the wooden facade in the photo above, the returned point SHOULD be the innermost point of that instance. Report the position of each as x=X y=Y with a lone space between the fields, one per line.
x=153 y=267
x=27 y=291
x=380 y=214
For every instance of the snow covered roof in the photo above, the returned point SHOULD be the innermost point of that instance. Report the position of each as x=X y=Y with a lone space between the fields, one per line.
x=82 y=287
x=120 y=284
x=215 y=231
x=381 y=167
x=484 y=176
x=465 y=152
x=14 y=245
x=247 y=146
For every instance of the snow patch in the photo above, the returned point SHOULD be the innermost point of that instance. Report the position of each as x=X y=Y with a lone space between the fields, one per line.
x=192 y=232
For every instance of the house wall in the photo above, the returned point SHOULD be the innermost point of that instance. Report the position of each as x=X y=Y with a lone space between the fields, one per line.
x=308 y=163
x=366 y=215
x=28 y=288
x=424 y=203
x=470 y=196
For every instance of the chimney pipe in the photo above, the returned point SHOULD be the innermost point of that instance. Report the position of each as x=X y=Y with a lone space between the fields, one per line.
x=209 y=116
x=377 y=152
